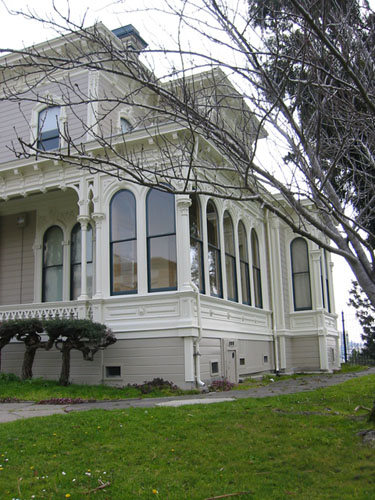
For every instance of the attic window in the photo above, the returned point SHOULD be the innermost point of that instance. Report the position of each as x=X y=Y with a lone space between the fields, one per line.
x=48 y=128
x=125 y=126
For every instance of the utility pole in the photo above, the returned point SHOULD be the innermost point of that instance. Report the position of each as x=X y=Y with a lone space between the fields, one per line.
x=344 y=337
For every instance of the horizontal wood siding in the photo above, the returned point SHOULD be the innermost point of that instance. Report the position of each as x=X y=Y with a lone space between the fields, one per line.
x=16 y=260
x=306 y=353
x=253 y=353
x=210 y=350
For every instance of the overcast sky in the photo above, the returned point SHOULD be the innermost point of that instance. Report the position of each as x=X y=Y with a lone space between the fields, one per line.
x=17 y=32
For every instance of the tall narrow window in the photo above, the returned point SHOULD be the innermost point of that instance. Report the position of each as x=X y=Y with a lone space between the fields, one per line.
x=123 y=243
x=244 y=264
x=196 y=244
x=161 y=241
x=52 y=265
x=300 y=275
x=75 y=261
x=258 y=300
x=214 y=260
x=48 y=128
x=230 y=258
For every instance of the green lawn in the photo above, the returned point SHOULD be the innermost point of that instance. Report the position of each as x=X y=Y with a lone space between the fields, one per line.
x=303 y=446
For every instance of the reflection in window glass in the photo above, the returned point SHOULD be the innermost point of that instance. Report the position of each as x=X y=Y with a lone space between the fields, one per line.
x=196 y=244
x=125 y=126
x=123 y=243
x=52 y=265
x=244 y=264
x=230 y=258
x=161 y=241
x=214 y=260
x=258 y=301
x=300 y=275
x=75 y=261
x=48 y=128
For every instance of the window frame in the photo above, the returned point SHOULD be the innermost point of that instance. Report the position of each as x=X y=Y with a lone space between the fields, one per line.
x=216 y=250
x=244 y=265
x=256 y=268
x=54 y=266
x=151 y=238
x=112 y=242
x=305 y=273
x=230 y=258
x=198 y=240
x=50 y=134
x=74 y=265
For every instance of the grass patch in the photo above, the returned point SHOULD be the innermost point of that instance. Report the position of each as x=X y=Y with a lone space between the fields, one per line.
x=294 y=446
x=40 y=389
x=270 y=378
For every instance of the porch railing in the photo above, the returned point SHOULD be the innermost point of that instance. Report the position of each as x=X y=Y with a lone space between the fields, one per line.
x=66 y=310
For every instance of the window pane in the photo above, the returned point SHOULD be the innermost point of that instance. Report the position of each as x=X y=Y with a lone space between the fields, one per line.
x=160 y=213
x=245 y=283
x=49 y=119
x=214 y=271
x=302 y=293
x=258 y=302
x=123 y=216
x=75 y=250
x=196 y=262
x=228 y=234
x=195 y=218
x=300 y=259
x=163 y=262
x=75 y=281
x=53 y=249
x=52 y=286
x=230 y=267
x=124 y=266
x=212 y=225
x=125 y=126
x=242 y=242
x=255 y=249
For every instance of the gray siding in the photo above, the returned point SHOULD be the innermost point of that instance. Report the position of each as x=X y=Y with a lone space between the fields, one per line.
x=16 y=260
x=332 y=353
x=305 y=353
x=210 y=350
x=19 y=114
x=253 y=353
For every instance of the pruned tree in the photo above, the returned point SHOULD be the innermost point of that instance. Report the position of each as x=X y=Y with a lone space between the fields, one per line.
x=302 y=69
x=80 y=334
x=27 y=331
x=365 y=313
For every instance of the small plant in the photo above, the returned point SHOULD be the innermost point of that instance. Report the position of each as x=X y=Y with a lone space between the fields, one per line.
x=157 y=384
x=221 y=385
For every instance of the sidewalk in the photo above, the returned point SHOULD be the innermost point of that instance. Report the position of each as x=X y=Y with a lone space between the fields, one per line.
x=27 y=409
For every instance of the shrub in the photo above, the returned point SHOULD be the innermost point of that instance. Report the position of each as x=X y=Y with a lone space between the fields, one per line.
x=221 y=385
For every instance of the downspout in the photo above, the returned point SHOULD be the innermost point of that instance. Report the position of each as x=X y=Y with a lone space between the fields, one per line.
x=196 y=341
x=274 y=327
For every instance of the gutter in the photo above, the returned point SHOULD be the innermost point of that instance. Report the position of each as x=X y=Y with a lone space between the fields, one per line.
x=196 y=340
x=273 y=301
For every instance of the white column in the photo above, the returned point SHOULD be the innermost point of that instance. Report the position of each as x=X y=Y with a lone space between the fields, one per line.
x=98 y=219
x=183 y=203
x=83 y=220
x=316 y=284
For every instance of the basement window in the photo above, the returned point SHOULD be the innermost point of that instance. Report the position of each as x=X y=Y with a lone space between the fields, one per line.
x=242 y=361
x=265 y=359
x=214 y=367
x=112 y=371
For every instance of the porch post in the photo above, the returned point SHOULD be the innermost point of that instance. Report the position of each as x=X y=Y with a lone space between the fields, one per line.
x=98 y=219
x=83 y=220
x=183 y=242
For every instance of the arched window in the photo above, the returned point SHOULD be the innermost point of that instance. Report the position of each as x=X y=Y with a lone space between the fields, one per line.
x=300 y=275
x=161 y=241
x=258 y=301
x=196 y=244
x=326 y=272
x=125 y=126
x=75 y=261
x=214 y=259
x=48 y=128
x=52 y=265
x=230 y=258
x=244 y=264
x=123 y=243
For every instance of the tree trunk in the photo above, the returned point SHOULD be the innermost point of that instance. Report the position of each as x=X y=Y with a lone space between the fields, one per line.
x=65 y=367
x=27 y=365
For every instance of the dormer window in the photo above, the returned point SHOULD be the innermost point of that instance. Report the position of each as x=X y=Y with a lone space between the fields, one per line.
x=125 y=126
x=48 y=128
